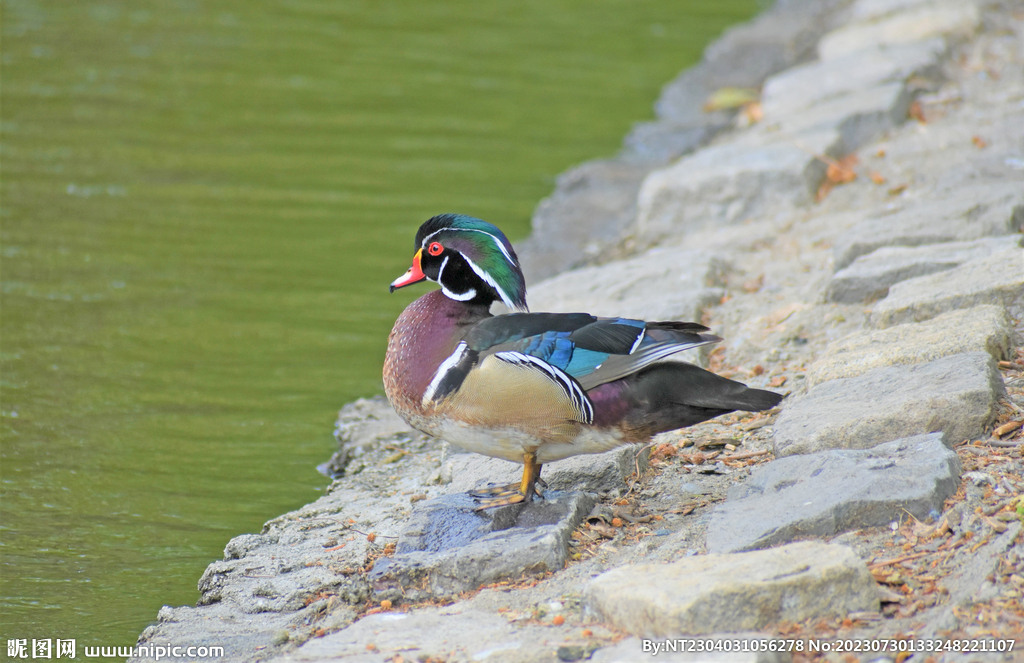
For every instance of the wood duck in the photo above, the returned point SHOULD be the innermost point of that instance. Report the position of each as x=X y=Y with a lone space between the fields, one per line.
x=535 y=387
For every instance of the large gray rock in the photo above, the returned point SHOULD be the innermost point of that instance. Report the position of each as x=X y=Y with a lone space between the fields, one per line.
x=968 y=212
x=593 y=204
x=817 y=82
x=997 y=279
x=439 y=634
x=955 y=18
x=448 y=548
x=729 y=593
x=849 y=121
x=362 y=425
x=730 y=182
x=745 y=55
x=588 y=209
x=275 y=588
x=775 y=164
x=869 y=277
x=834 y=491
x=367 y=421
x=955 y=394
x=689 y=649
x=240 y=635
x=872 y=10
x=662 y=284
x=978 y=329
x=654 y=144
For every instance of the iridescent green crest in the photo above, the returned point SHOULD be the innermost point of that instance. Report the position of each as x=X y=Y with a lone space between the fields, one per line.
x=485 y=248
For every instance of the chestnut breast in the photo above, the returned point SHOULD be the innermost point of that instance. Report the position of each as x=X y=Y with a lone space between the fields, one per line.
x=424 y=335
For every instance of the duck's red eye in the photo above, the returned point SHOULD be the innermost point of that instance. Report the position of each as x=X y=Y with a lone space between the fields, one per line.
x=435 y=249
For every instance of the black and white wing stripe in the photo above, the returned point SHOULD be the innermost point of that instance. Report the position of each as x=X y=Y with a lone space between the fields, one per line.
x=450 y=375
x=569 y=385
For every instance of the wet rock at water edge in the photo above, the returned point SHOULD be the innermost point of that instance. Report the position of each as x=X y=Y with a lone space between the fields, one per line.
x=448 y=548
x=430 y=633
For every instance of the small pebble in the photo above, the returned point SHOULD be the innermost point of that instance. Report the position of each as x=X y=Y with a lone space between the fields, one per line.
x=662 y=532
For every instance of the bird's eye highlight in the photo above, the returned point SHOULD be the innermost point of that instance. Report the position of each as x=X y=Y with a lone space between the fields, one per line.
x=435 y=249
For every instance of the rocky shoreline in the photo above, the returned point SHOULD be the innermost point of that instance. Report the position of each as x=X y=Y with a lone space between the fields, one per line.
x=854 y=235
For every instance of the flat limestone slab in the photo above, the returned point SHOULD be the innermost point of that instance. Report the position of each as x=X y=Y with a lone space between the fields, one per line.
x=997 y=279
x=835 y=491
x=722 y=593
x=442 y=634
x=969 y=212
x=955 y=394
x=873 y=10
x=805 y=85
x=951 y=18
x=854 y=119
x=977 y=329
x=869 y=277
x=730 y=182
x=589 y=207
x=448 y=548
x=662 y=284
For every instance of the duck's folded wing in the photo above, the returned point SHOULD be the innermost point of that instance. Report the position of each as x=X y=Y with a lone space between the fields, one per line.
x=591 y=350
x=658 y=341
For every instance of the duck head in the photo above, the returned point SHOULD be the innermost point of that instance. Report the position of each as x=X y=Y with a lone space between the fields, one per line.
x=470 y=259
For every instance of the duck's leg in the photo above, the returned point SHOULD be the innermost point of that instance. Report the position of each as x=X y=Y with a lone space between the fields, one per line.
x=512 y=493
x=531 y=475
x=508 y=489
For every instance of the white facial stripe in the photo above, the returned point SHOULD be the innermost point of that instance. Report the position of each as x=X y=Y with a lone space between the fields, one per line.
x=442 y=371
x=491 y=282
x=570 y=386
x=461 y=297
x=497 y=242
x=440 y=270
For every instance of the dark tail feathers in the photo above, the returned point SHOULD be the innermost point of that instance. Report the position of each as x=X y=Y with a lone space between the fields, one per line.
x=674 y=395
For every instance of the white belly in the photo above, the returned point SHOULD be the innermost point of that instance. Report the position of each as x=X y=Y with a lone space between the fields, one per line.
x=511 y=444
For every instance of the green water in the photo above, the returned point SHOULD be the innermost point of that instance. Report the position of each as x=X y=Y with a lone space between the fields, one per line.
x=202 y=206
